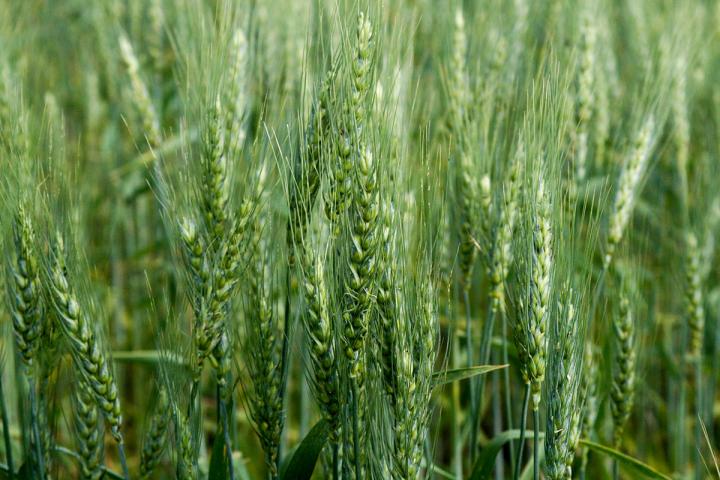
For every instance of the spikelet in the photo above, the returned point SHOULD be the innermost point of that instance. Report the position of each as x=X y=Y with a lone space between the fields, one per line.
x=308 y=168
x=563 y=385
x=414 y=356
x=153 y=444
x=387 y=299
x=458 y=81
x=215 y=173
x=320 y=332
x=349 y=142
x=469 y=204
x=24 y=291
x=140 y=95
x=622 y=391
x=235 y=95
x=212 y=286
x=186 y=468
x=502 y=246
x=263 y=356
x=681 y=121
x=628 y=187
x=89 y=432
x=87 y=352
x=585 y=97
x=694 y=299
x=530 y=330
x=360 y=284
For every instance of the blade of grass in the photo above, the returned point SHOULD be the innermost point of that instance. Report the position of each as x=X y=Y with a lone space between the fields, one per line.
x=458 y=374
x=625 y=460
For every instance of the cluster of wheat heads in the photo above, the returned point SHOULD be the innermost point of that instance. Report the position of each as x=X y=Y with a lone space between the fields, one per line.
x=359 y=239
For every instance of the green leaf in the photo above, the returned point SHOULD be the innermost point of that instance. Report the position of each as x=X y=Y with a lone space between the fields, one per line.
x=457 y=374
x=486 y=461
x=218 y=460
x=626 y=461
x=302 y=463
x=147 y=357
x=440 y=472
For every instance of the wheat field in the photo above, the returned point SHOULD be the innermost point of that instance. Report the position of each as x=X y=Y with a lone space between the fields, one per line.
x=359 y=239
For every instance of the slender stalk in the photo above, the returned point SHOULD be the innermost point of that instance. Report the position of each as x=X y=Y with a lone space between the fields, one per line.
x=506 y=381
x=468 y=339
x=698 y=418
x=455 y=393
x=123 y=459
x=523 y=425
x=497 y=423
x=480 y=382
x=225 y=423
x=6 y=433
x=228 y=443
x=285 y=357
x=40 y=458
x=536 y=444
x=356 y=428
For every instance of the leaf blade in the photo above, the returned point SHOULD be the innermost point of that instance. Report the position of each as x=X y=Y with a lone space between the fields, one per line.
x=626 y=460
x=302 y=463
x=218 y=461
x=457 y=374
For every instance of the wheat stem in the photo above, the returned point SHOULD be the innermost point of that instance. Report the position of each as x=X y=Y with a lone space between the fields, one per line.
x=123 y=458
x=40 y=458
x=698 y=419
x=356 y=429
x=284 y=353
x=523 y=424
x=225 y=430
x=469 y=342
x=485 y=350
x=507 y=385
x=455 y=391
x=6 y=433
x=536 y=444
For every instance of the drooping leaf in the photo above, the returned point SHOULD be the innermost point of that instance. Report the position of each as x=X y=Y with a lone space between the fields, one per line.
x=626 y=461
x=440 y=472
x=455 y=375
x=301 y=464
